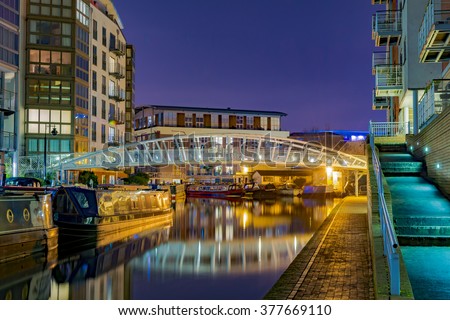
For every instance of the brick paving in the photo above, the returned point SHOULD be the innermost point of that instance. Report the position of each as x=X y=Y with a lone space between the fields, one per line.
x=336 y=263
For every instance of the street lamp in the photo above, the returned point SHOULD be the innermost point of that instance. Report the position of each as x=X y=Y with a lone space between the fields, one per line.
x=54 y=132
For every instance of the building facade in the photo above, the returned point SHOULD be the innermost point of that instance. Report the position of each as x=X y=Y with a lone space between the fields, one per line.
x=155 y=121
x=10 y=19
x=75 y=78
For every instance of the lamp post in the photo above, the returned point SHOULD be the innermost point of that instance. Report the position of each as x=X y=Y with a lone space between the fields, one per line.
x=54 y=132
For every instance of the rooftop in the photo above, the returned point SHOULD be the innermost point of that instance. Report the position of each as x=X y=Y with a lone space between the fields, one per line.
x=203 y=109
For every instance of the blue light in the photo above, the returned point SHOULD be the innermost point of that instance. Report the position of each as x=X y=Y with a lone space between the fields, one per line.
x=438 y=166
x=426 y=149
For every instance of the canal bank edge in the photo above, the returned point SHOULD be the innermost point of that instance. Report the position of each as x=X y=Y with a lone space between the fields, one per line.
x=286 y=283
x=379 y=261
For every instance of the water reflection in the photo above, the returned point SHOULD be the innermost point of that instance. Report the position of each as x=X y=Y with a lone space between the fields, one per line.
x=209 y=249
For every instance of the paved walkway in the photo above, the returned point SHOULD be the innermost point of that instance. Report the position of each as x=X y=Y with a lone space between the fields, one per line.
x=336 y=263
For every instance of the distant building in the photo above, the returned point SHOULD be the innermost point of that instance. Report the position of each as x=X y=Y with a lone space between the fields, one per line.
x=9 y=80
x=155 y=121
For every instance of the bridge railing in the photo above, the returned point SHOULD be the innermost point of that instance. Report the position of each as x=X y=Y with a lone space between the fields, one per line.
x=390 y=241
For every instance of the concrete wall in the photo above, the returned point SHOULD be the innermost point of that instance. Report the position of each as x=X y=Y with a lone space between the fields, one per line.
x=432 y=146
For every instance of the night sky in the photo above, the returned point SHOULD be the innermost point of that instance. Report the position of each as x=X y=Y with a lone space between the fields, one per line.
x=308 y=58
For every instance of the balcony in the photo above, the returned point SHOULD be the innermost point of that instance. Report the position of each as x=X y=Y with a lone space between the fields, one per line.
x=388 y=80
x=114 y=141
x=387 y=28
x=8 y=102
x=117 y=94
x=116 y=70
x=7 y=141
x=434 y=33
x=380 y=58
x=433 y=101
x=380 y=103
x=116 y=118
x=117 y=47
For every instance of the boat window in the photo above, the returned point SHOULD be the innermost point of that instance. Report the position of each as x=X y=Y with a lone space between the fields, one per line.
x=82 y=200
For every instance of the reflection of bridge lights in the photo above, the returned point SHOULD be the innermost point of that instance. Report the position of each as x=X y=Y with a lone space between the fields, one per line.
x=259 y=249
x=244 y=220
x=295 y=244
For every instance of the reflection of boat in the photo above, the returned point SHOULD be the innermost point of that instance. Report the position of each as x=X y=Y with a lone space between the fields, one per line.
x=26 y=225
x=214 y=190
x=260 y=192
x=289 y=190
x=318 y=191
x=95 y=214
x=101 y=272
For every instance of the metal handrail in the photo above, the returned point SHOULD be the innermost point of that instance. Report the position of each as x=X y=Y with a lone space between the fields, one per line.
x=390 y=241
x=389 y=129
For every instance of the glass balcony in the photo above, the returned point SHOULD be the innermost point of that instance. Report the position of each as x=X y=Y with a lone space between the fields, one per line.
x=380 y=103
x=434 y=33
x=433 y=101
x=7 y=141
x=388 y=80
x=116 y=70
x=387 y=28
x=117 y=47
x=8 y=102
x=117 y=94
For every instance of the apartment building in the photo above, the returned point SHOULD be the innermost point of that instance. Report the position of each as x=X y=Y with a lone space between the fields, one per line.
x=156 y=121
x=9 y=80
x=400 y=77
x=74 y=79
x=413 y=77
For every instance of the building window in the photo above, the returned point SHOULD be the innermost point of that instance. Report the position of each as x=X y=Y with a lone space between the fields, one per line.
x=199 y=122
x=83 y=13
x=94 y=106
x=94 y=131
x=38 y=121
x=188 y=121
x=94 y=30
x=48 y=92
x=103 y=85
x=249 y=123
x=103 y=133
x=104 y=36
x=103 y=60
x=94 y=80
x=239 y=122
x=50 y=62
x=94 y=55
x=50 y=33
x=103 y=109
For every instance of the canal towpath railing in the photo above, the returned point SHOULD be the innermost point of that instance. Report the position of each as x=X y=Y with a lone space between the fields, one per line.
x=390 y=241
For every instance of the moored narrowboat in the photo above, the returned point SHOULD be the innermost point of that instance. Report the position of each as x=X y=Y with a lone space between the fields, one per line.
x=82 y=213
x=26 y=225
x=214 y=190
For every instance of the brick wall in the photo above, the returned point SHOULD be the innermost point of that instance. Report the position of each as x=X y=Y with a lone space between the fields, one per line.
x=432 y=145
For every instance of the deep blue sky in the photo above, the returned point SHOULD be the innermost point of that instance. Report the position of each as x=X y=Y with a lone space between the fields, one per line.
x=310 y=59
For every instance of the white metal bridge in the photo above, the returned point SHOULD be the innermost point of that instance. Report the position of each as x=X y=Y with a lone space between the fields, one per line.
x=201 y=150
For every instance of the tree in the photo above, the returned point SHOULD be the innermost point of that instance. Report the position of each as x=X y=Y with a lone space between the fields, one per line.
x=85 y=177
x=139 y=178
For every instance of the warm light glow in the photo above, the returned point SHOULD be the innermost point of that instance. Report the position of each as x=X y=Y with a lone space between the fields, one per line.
x=244 y=220
x=244 y=169
x=329 y=170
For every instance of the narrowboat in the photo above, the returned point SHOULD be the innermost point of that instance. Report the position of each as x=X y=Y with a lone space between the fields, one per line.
x=214 y=190
x=26 y=225
x=83 y=214
x=318 y=191
x=177 y=191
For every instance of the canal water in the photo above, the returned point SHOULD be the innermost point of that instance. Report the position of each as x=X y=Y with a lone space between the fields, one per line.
x=213 y=249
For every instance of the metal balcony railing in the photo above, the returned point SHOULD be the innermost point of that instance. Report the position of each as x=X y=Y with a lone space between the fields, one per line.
x=434 y=32
x=389 y=129
x=388 y=80
x=387 y=27
x=8 y=101
x=433 y=101
x=380 y=103
x=383 y=2
x=116 y=70
x=380 y=58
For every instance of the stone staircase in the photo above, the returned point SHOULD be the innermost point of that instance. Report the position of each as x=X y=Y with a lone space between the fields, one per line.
x=395 y=160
